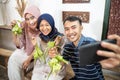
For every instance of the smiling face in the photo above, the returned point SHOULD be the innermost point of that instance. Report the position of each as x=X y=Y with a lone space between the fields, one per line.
x=31 y=21
x=45 y=27
x=73 y=31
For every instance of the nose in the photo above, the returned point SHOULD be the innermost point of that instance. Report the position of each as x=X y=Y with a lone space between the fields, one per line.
x=31 y=21
x=70 y=31
x=44 y=27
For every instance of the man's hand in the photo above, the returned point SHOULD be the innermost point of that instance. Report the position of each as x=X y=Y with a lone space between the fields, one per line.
x=113 y=57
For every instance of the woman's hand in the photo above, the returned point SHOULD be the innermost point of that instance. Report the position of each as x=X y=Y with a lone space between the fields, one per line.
x=26 y=62
x=12 y=24
x=34 y=41
x=113 y=57
x=53 y=52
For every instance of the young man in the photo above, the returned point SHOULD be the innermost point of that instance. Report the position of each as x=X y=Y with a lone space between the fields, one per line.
x=73 y=28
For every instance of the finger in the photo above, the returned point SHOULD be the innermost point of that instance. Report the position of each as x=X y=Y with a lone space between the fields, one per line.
x=114 y=36
x=110 y=46
x=109 y=63
x=25 y=66
x=106 y=54
x=12 y=24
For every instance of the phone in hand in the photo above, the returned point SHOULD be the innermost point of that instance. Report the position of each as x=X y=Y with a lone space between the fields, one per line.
x=88 y=55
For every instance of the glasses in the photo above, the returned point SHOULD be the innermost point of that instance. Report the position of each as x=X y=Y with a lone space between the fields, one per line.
x=30 y=18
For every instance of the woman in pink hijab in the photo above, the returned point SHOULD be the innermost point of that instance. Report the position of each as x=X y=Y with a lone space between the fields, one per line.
x=21 y=57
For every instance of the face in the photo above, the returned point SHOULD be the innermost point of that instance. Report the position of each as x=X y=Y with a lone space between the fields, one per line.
x=31 y=21
x=73 y=31
x=45 y=27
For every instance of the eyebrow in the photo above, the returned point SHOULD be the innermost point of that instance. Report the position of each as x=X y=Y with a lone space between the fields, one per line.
x=73 y=25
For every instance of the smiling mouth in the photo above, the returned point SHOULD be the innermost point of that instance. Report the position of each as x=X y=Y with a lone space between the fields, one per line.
x=72 y=36
x=45 y=32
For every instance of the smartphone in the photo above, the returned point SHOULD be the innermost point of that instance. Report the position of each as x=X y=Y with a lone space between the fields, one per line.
x=88 y=55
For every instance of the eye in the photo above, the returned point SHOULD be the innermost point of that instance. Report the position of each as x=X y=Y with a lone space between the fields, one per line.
x=27 y=19
x=41 y=25
x=73 y=27
x=32 y=17
x=66 y=29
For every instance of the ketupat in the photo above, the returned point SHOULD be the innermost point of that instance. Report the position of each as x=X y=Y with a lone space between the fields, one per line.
x=16 y=29
x=51 y=44
x=60 y=58
x=55 y=63
x=38 y=54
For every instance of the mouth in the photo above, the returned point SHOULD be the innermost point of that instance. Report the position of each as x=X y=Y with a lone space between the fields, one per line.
x=72 y=36
x=45 y=32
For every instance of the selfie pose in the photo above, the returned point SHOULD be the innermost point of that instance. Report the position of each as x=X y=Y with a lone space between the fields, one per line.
x=73 y=28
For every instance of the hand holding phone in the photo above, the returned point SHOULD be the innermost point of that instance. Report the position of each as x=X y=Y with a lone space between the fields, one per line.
x=88 y=55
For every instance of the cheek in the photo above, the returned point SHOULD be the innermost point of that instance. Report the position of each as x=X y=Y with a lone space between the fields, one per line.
x=66 y=33
x=27 y=22
x=50 y=30
x=40 y=28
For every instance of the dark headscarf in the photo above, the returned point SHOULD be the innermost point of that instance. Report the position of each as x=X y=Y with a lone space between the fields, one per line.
x=53 y=34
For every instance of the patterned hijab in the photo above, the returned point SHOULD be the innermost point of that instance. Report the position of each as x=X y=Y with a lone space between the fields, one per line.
x=54 y=32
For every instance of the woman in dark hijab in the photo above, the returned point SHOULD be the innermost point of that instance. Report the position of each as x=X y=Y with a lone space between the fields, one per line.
x=49 y=32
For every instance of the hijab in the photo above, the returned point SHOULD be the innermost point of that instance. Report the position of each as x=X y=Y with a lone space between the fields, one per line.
x=54 y=32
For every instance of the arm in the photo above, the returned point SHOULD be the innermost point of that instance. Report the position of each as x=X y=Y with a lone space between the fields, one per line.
x=16 y=40
x=114 y=57
x=16 y=37
x=27 y=61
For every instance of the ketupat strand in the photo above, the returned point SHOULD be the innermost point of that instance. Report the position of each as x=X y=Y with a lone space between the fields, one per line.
x=16 y=29
x=38 y=54
x=54 y=63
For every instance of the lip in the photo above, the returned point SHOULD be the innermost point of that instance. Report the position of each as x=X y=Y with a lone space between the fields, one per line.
x=72 y=37
x=32 y=24
x=45 y=32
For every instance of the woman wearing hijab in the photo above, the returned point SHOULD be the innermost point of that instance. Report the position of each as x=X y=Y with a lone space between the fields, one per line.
x=41 y=70
x=21 y=57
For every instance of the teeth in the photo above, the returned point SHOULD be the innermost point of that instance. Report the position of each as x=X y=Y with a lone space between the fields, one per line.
x=45 y=31
x=32 y=24
x=72 y=36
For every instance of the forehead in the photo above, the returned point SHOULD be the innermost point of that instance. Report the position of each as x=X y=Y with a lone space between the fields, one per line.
x=44 y=21
x=28 y=15
x=71 y=23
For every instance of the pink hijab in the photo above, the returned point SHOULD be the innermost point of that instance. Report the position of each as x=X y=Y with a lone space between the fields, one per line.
x=26 y=40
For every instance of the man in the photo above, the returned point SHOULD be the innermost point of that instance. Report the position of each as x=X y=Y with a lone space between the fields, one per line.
x=73 y=28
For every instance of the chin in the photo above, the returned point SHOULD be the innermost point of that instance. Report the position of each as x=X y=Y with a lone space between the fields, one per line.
x=45 y=34
x=33 y=27
x=72 y=40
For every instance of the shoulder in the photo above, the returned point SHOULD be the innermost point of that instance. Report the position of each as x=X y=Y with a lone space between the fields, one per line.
x=89 y=39
x=68 y=45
